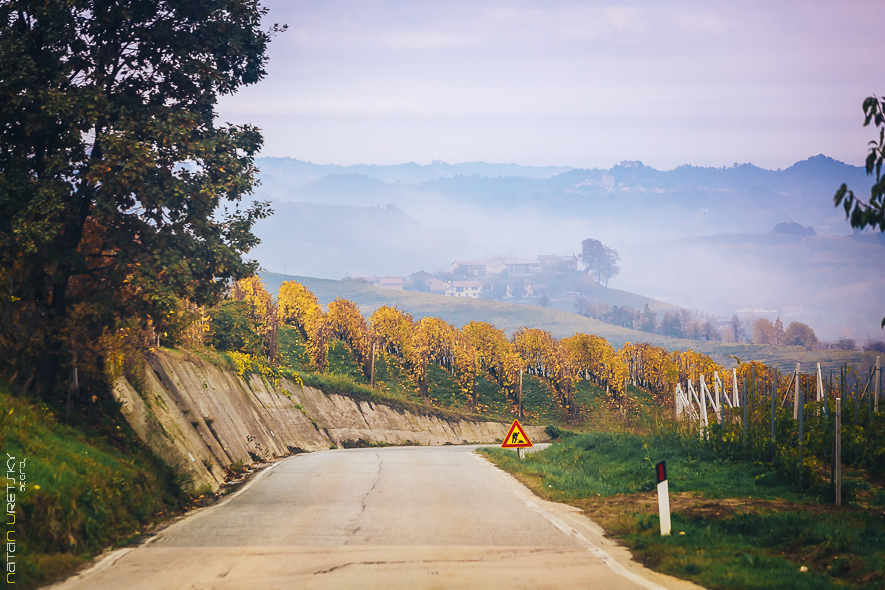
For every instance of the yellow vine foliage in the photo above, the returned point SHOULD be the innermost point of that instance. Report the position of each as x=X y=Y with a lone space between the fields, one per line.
x=692 y=365
x=347 y=323
x=319 y=332
x=299 y=307
x=651 y=367
x=538 y=348
x=480 y=347
x=497 y=356
x=545 y=357
x=758 y=378
x=393 y=331
x=432 y=341
x=466 y=366
x=295 y=304
x=592 y=357
x=263 y=311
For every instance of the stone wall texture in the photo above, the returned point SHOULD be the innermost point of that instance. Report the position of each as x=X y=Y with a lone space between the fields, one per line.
x=202 y=419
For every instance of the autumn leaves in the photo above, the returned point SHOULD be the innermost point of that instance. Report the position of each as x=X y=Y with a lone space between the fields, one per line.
x=479 y=349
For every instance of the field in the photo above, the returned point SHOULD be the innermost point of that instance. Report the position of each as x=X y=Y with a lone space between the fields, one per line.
x=511 y=316
x=736 y=524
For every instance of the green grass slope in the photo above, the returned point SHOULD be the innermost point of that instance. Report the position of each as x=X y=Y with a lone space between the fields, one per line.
x=736 y=524
x=78 y=488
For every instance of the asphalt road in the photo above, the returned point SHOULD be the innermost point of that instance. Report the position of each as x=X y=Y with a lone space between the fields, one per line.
x=403 y=517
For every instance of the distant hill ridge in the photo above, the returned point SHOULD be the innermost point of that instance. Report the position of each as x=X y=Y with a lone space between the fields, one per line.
x=336 y=221
x=299 y=171
x=815 y=169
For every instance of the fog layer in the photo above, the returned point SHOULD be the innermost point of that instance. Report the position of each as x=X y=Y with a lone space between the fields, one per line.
x=700 y=238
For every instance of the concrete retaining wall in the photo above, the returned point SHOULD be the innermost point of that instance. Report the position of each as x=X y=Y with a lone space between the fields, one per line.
x=201 y=419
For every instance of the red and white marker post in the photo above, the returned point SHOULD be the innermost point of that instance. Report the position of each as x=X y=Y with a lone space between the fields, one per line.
x=663 y=497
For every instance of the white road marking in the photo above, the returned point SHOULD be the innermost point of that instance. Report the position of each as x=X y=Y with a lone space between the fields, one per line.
x=523 y=494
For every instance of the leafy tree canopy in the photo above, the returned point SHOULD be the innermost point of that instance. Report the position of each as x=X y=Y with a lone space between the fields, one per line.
x=799 y=334
x=862 y=214
x=232 y=329
x=119 y=196
x=859 y=213
x=601 y=260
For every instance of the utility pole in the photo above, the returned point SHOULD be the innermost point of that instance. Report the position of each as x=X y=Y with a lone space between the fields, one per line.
x=520 y=393
x=372 y=368
x=878 y=385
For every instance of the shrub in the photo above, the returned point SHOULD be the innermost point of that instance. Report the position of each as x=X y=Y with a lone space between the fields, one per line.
x=232 y=330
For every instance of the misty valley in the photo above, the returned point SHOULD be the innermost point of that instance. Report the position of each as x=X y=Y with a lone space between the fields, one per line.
x=701 y=244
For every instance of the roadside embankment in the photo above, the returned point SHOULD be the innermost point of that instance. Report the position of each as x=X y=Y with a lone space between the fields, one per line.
x=202 y=419
x=736 y=523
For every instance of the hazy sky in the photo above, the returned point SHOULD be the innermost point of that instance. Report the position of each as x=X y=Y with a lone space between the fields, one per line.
x=567 y=83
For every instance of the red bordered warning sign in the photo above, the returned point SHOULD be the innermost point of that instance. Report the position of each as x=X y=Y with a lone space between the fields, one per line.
x=516 y=438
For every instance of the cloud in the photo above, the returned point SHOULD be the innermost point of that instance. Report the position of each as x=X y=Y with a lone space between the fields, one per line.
x=565 y=82
x=624 y=18
x=706 y=22
x=418 y=38
x=331 y=107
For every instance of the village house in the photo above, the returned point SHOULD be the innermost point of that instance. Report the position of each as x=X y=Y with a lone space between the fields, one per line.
x=470 y=289
x=437 y=287
x=476 y=268
x=549 y=263
x=385 y=282
x=552 y=263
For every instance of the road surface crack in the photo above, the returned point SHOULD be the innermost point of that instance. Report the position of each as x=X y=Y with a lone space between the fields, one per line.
x=396 y=562
x=355 y=525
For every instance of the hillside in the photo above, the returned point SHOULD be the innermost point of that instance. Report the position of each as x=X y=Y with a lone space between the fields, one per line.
x=460 y=311
x=697 y=238
x=744 y=196
x=832 y=283
x=510 y=317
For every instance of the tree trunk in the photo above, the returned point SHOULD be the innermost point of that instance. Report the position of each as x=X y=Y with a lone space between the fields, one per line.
x=47 y=370
x=49 y=360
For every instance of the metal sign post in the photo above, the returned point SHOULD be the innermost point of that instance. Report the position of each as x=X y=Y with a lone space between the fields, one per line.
x=517 y=439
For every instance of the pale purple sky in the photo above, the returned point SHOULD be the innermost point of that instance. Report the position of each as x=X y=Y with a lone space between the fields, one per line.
x=567 y=83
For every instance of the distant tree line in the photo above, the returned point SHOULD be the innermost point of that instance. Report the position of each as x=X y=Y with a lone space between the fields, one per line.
x=692 y=325
x=678 y=324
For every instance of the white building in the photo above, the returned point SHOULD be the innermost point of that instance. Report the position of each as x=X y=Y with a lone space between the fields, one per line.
x=470 y=289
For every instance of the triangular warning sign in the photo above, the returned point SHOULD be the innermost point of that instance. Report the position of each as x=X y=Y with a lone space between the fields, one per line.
x=516 y=438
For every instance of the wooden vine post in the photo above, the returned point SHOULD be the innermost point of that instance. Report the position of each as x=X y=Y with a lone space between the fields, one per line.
x=837 y=453
x=878 y=385
x=372 y=368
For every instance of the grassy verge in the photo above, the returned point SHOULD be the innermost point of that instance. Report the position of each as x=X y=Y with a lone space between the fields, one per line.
x=86 y=486
x=735 y=524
